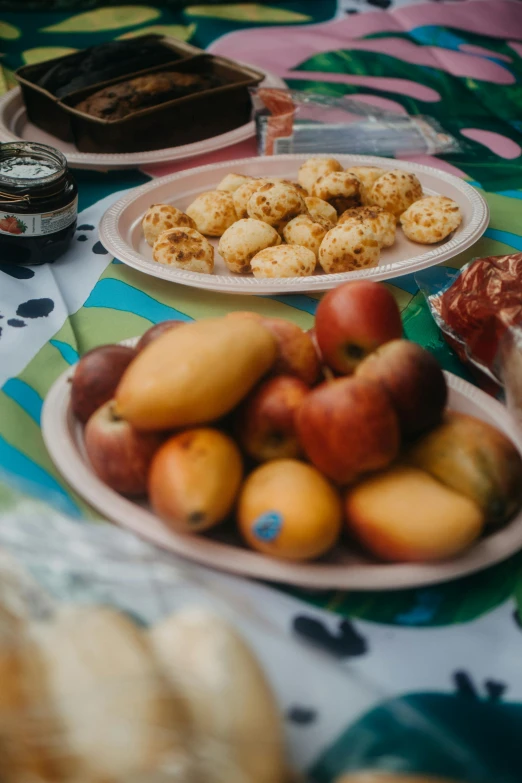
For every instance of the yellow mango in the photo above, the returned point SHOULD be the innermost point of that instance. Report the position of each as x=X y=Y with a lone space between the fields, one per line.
x=475 y=459
x=405 y=515
x=194 y=479
x=194 y=374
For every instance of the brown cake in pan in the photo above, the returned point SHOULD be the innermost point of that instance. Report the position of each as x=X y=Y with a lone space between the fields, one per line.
x=120 y=100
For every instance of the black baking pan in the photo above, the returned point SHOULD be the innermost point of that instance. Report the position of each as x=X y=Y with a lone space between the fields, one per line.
x=175 y=122
x=43 y=86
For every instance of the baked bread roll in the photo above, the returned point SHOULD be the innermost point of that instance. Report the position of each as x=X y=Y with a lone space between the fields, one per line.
x=348 y=247
x=295 y=185
x=240 y=243
x=303 y=231
x=313 y=168
x=160 y=217
x=321 y=212
x=276 y=203
x=340 y=189
x=243 y=194
x=184 y=248
x=117 y=717
x=284 y=261
x=382 y=223
x=431 y=219
x=395 y=191
x=366 y=175
x=213 y=212
x=233 y=712
x=232 y=182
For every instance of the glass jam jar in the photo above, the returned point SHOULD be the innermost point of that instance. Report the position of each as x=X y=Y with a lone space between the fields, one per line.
x=38 y=203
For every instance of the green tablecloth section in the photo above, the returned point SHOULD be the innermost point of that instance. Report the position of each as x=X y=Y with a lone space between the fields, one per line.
x=459 y=62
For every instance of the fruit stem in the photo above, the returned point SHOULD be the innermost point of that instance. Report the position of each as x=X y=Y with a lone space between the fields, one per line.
x=113 y=413
x=196 y=517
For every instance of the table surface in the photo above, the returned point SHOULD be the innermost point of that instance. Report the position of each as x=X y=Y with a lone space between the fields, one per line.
x=460 y=62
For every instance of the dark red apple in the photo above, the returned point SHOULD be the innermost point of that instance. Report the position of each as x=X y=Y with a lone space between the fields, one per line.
x=348 y=427
x=96 y=377
x=265 y=424
x=353 y=320
x=119 y=454
x=155 y=331
x=414 y=380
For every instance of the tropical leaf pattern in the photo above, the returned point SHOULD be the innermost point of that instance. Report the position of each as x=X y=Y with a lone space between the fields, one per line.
x=105 y=19
x=248 y=12
x=41 y=53
x=425 y=79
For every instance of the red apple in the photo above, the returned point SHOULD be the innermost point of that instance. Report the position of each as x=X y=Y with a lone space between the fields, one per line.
x=348 y=427
x=119 y=454
x=155 y=331
x=353 y=320
x=296 y=351
x=265 y=423
x=96 y=377
x=414 y=381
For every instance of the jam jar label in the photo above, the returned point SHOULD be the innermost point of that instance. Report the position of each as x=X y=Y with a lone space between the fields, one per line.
x=40 y=224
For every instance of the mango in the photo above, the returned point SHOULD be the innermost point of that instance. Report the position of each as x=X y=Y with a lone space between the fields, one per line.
x=289 y=510
x=195 y=373
x=405 y=515
x=194 y=479
x=475 y=459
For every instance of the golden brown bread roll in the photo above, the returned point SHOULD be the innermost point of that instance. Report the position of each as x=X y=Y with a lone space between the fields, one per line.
x=162 y=217
x=431 y=219
x=395 y=191
x=240 y=243
x=366 y=175
x=305 y=232
x=313 y=168
x=321 y=212
x=213 y=212
x=382 y=223
x=184 y=248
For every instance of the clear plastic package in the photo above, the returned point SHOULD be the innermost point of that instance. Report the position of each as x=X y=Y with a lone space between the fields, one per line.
x=288 y=121
x=123 y=664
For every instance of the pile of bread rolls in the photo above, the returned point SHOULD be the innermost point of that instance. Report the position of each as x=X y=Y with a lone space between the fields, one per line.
x=90 y=697
x=331 y=220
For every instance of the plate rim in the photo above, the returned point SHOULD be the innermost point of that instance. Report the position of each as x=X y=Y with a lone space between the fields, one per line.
x=72 y=466
x=112 y=240
x=121 y=160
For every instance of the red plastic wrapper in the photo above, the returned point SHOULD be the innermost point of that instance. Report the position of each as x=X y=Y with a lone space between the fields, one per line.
x=479 y=310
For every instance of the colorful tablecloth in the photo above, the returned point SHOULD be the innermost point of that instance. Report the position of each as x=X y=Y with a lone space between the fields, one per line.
x=460 y=62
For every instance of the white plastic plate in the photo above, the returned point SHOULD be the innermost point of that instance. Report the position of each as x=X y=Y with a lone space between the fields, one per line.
x=121 y=234
x=342 y=570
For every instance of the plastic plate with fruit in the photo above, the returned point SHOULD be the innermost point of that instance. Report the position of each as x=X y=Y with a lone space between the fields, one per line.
x=293 y=224
x=342 y=457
